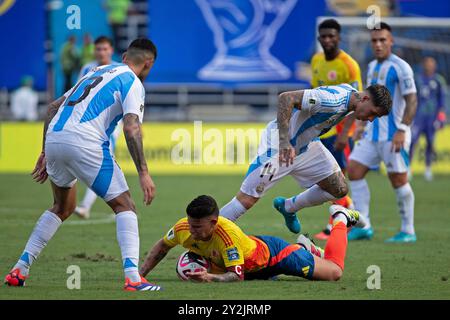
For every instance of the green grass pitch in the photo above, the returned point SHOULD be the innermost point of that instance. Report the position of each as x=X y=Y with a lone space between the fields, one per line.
x=408 y=271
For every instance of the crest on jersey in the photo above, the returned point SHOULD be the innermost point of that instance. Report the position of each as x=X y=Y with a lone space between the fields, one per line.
x=260 y=187
x=332 y=75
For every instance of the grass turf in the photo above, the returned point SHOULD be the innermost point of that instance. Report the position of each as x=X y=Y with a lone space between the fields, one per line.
x=408 y=271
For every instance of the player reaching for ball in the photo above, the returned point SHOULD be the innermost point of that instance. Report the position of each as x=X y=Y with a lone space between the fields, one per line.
x=293 y=139
x=235 y=256
x=76 y=146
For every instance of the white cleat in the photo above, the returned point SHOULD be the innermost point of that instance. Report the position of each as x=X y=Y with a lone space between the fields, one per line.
x=82 y=212
x=354 y=217
x=310 y=246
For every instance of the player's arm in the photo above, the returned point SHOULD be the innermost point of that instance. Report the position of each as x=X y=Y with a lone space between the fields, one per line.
x=39 y=172
x=398 y=139
x=133 y=135
x=342 y=138
x=156 y=254
x=287 y=101
x=233 y=274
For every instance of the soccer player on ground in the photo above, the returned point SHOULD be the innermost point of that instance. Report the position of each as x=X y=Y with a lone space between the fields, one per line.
x=103 y=52
x=76 y=146
x=386 y=139
x=236 y=256
x=430 y=114
x=331 y=67
x=302 y=117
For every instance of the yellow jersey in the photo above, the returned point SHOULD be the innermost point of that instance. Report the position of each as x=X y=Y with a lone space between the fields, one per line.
x=342 y=69
x=228 y=247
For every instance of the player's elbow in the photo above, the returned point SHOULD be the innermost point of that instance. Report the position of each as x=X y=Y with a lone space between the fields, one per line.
x=131 y=129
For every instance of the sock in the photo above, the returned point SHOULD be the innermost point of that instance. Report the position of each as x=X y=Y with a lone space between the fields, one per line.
x=89 y=199
x=405 y=202
x=336 y=246
x=361 y=198
x=43 y=231
x=308 y=198
x=233 y=210
x=128 y=238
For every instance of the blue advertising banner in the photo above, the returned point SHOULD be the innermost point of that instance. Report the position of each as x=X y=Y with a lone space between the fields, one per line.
x=23 y=27
x=233 y=41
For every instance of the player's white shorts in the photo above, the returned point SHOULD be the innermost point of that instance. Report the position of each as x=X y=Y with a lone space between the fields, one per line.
x=371 y=153
x=309 y=168
x=95 y=167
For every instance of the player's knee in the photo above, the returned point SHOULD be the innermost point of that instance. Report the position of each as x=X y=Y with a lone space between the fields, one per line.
x=341 y=191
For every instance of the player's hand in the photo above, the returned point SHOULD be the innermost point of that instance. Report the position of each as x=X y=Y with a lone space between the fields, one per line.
x=287 y=154
x=398 y=141
x=148 y=187
x=199 y=276
x=341 y=142
x=39 y=172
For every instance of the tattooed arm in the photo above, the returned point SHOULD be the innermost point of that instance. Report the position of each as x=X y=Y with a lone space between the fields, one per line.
x=286 y=102
x=398 y=140
x=133 y=136
x=39 y=172
x=156 y=254
x=233 y=274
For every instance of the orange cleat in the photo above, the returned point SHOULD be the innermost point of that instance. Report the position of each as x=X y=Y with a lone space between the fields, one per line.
x=143 y=285
x=15 y=278
x=322 y=235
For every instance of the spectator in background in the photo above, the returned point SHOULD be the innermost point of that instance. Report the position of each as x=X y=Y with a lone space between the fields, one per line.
x=103 y=52
x=24 y=101
x=87 y=53
x=117 y=15
x=430 y=115
x=69 y=61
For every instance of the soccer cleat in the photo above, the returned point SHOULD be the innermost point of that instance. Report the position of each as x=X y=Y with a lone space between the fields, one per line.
x=143 y=285
x=354 y=218
x=15 y=278
x=310 y=246
x=360 y=234
x=322 y=235
x=402 y=237
x=82 y=212
x=290 y=219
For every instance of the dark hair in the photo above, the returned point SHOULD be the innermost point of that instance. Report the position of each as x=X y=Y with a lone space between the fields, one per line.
x=103 y=39
x=381 y=97
x=143 y=44
x=202 y=206
x=330 y=24
x=382 y=26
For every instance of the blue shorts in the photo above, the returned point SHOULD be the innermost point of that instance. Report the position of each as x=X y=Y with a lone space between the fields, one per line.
x=285 y=258
x=338 y=155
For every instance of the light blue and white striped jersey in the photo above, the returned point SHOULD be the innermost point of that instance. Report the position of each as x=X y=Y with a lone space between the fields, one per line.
x=89 y=66
x=321 y=109
x=95 y=104
x=398 y=77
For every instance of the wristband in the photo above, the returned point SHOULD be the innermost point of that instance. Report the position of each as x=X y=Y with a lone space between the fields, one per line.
x=403 y=127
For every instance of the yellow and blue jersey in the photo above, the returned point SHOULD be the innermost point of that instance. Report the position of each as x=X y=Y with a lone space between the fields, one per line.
x=342 y=69
x=228 y=247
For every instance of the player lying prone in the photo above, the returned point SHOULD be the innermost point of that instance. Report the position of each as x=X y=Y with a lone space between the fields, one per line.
x=231 y=255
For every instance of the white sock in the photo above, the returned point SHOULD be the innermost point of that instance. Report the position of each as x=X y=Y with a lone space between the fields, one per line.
x=43 y=231
x=128 y=238
x=340 y=218
x=233 y=210
x=405 y=202
x=361 y=198
x=308 y=198
x=89 y=199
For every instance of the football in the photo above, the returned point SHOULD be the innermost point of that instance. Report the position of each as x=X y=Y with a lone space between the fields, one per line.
x=190 y=262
